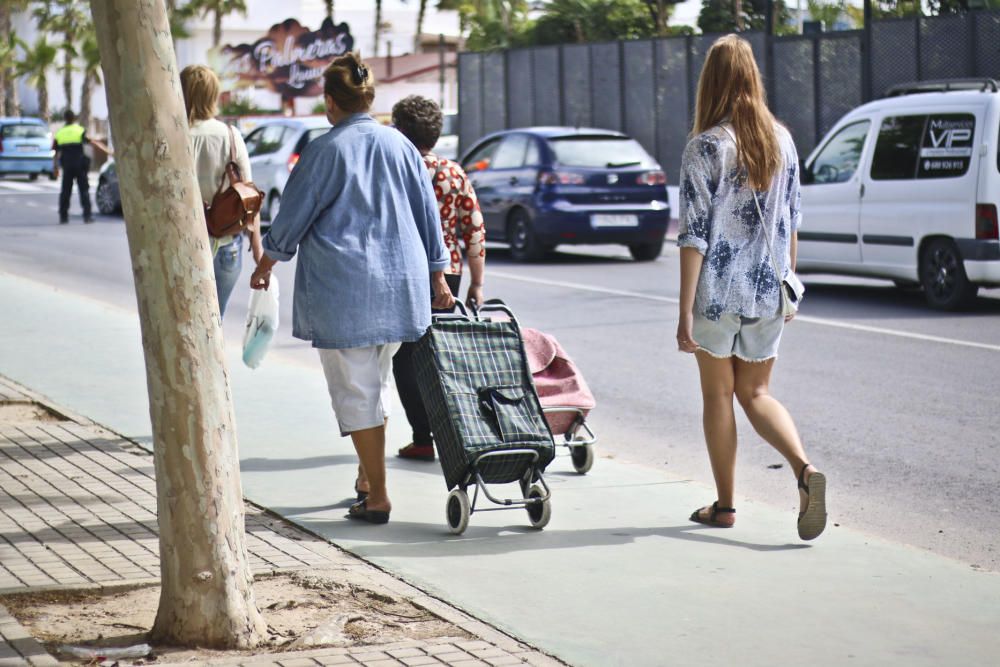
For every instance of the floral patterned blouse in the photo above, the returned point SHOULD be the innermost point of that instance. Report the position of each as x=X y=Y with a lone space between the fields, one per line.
x=460 y=212
x=719 y=219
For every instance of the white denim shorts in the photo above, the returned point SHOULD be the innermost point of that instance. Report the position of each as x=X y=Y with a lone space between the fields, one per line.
x=748 y=338
x=359 y=382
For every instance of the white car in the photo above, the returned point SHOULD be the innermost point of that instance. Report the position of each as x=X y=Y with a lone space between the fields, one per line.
x=274 y=146
x=907 y=188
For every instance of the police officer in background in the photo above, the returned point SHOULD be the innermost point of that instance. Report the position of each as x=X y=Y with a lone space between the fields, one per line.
x=68 y=145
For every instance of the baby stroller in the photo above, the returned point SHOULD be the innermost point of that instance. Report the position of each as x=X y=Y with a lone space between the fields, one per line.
x=486 y=418
x=565 y=397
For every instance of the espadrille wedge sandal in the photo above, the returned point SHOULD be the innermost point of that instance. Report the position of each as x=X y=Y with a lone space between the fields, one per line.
x=813 y=520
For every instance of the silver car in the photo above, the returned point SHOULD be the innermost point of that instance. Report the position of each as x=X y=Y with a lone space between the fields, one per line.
x=274 y=147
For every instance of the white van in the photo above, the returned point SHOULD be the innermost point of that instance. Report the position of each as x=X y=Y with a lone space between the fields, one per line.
x=907 y=188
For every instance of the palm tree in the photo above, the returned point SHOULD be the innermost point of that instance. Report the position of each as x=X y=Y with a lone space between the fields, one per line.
x=329 y=9
x=420 y=23
x=69 y=19
x=378 y=24
x=9 y=102
x=91 y=73
x=218 y=9
x=35 y=66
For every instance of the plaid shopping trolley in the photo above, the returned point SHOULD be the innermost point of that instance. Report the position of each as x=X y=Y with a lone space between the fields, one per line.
x=484 y=412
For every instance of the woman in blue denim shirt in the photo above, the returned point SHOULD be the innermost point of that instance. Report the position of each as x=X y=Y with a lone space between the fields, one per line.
x=360 y=210
x=739 y=199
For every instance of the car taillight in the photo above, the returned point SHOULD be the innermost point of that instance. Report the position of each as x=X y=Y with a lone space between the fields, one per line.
x=559 y=178
x=293 y=160
x=987 y=228
x=652 y=178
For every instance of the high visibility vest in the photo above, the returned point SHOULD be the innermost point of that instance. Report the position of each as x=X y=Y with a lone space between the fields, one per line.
x=70 y=134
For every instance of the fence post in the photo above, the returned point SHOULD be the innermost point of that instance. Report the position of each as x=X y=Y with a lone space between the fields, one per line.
x=769 y=52
x=970 y=21
x=866 y=60
x=817 y=91
x=688 y=78
x=918 y=42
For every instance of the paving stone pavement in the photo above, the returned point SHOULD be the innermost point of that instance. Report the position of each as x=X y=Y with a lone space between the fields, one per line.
x=78 y=512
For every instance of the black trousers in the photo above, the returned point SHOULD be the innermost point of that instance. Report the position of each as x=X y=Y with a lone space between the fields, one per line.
x=406 y=382
x=74 y=173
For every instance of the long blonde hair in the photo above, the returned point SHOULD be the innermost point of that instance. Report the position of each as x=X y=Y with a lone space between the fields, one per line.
x=730 y=88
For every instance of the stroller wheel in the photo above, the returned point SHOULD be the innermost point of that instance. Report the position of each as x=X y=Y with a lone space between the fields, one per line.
x=583 y=458
x=539 y=513
x=457 y=511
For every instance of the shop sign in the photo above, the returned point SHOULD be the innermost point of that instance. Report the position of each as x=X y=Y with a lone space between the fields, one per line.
x=289 y=60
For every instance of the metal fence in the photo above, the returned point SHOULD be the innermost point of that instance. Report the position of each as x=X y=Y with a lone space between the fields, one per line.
x=646 y=87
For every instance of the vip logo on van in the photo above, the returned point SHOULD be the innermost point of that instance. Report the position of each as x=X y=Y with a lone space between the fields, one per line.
x=948 y=138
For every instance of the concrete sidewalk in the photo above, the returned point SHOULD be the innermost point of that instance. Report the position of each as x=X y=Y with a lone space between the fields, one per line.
x=78 y=513
x=618 y=578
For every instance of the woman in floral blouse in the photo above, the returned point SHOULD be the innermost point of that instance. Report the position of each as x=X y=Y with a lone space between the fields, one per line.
x=419 y=119
x=739 y=195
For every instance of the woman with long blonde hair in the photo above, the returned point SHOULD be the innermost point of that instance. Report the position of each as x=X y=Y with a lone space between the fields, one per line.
x=739 y=193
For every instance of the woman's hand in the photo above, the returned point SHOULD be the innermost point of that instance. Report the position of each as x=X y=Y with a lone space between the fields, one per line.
x=443 y=298
x=475 y=296
x=685 y=338
x=261 y=278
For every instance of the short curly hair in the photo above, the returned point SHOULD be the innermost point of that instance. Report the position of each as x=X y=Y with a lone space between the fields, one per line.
x=419 y=119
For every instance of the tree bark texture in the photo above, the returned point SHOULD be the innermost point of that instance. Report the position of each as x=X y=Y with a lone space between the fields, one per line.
x=43 y=99
x=207 y=596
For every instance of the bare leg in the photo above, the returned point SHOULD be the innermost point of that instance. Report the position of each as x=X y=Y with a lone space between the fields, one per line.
x=769 y=417
x=719 y=419
x=370 y=446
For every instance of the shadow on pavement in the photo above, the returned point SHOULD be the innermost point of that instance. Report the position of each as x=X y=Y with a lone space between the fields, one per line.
x=423 y=540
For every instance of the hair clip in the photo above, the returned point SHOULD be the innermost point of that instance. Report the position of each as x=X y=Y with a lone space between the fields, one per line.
x=359 y=73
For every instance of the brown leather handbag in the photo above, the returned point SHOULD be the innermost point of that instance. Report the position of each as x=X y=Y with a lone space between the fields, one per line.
x=233 y=210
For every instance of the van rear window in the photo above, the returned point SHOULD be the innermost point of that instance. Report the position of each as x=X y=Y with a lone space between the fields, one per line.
x=934 y=146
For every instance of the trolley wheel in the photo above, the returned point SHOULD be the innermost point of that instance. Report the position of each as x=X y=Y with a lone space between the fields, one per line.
x=457 y=511
x=583 y=458
x=539 y=513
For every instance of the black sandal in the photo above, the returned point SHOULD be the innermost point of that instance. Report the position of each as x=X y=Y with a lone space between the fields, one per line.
x=712 y=519
x=360 y=511
x=812 y=521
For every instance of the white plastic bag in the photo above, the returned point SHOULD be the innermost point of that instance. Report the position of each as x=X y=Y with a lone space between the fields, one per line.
x=262 y=323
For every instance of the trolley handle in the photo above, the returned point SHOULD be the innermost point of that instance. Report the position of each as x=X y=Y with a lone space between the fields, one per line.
x=492 y=306
x=462 y=315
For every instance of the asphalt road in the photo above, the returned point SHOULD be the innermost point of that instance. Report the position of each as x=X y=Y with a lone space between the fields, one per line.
x=899 y=405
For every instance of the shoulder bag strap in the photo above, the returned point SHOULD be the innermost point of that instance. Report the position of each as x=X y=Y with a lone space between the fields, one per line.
x=760 y=214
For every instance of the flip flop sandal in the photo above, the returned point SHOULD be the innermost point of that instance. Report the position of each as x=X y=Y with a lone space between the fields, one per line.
x=361 y=495
x=360 y=512
x=813 y=520
x=713 y=517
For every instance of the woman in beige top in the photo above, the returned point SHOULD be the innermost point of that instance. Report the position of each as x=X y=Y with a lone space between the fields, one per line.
x=210 y=141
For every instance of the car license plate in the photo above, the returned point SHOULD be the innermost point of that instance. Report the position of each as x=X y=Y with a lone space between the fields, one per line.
x=608 y=220
x=27 y=149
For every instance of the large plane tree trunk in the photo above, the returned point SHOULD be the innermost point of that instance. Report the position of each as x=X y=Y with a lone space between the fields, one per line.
x=207 y=596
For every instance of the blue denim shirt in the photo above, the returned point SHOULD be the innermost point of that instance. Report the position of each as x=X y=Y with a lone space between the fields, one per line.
x=360 y=209
x=719 y=219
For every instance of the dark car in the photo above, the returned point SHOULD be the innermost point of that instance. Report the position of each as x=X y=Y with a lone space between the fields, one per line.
x=108 y=197
x=540 y=187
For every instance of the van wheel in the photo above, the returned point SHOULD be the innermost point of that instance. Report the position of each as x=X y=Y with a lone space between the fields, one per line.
x=32 y=177
x=524 y=247
x=942 y=275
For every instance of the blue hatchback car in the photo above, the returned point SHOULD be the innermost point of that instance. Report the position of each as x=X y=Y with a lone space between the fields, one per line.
x=26 y=147
x=540 y=187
